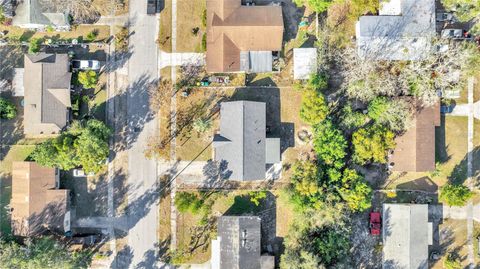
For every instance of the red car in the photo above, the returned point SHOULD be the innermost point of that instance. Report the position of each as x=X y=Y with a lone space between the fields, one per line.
x=375 y=223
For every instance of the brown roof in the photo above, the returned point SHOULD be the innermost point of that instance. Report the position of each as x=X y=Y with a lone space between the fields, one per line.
x=36 y=203
x=415 y=149
x=232 y=28
x=47 y=93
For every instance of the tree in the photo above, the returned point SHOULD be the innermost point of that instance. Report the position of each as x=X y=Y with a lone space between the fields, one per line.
x=2 y=15
x=351 y=119
x=465 y=10
x=43 y=252
x=329 y=144
x=314 y=109
x=305 y=183
x=188 y=202
x=394 y=114
x=83 y=145
x=160 y=94
x=34 y=45
x=257 y=196
x=88 y=79
x=355 y=191
x=7 y=109
x=371 y=144
x=202 y=125
x=455 y=195
x=315 y=5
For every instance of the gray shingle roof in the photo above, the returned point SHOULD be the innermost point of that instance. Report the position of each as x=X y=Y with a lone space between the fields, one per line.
x=241 y=142
x=240 y=239
x=47 y=92
x=404 y=36
x=406 y=236
x=34 y=12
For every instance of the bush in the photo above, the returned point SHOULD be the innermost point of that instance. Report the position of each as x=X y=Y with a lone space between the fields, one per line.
x=351 y=119
x=188 y=202
x=314 y=108
x=88 y=79
x=7 y=109
x=204 y=42
x=204 y=18
x=371 y=144
x=92 y=35
x=452 y=261
x=257 y=196
x=202 y=125
x=50 y=29
x=34 y=45
x=455 y=195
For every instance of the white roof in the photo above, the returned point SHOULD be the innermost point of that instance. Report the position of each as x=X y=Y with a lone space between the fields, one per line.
x=304 y=62
x=394 y=35
x=406 y=236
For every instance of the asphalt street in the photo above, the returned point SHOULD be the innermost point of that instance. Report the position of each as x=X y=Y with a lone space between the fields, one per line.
x=142 y=173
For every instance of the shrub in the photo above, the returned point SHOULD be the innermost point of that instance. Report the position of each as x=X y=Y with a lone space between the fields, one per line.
x=7 y=109
x=452 y=261
x=88 y=79
x=202 y=125
x=455 y=195
x=204 y=18
x=50 y=29
x=92 y=35
x=34 y=45
x=257 y=196
x=314 y=108
x=204 y=42
x=188 y=202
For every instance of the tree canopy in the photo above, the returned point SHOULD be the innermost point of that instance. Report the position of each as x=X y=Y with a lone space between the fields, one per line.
x=394 y=114
x=455 y=195
x=84 y=144
x=88 y=79
x=371 y=144
x=314 y=108
x=329 y=144
x=315 y=5
x=7 y=109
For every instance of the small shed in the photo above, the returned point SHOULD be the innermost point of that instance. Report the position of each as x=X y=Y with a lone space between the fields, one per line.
x=304 y=62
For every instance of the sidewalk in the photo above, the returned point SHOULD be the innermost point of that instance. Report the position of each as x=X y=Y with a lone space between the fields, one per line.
x=177 y=59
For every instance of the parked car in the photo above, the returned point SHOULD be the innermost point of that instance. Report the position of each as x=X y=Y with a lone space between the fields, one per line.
x=455 y=33
x=445 y=109
x=445 y=17
x=375 y=223
x=151 y=7
x=81 y=173
x=86 y=65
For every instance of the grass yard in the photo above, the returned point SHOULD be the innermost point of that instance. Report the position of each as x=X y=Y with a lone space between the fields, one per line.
x=224 y=203
x=165 y=34
x=78 y=32
x=453 y=238
x=190 y=15
x=450 y=151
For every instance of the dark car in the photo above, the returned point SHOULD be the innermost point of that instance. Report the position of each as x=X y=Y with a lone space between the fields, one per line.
x=445 y=109
x=151 y=7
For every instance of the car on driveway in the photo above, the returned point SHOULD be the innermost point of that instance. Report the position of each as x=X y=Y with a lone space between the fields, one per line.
x=455 y=33
x=375 y=223
x=445 y=109
x=86 y=65
x=151 y=7
x=445 y=17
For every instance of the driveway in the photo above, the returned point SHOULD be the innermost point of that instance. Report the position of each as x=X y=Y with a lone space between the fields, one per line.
x=142 y=173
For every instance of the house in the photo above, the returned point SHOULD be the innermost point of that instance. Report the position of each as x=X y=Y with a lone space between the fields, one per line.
x=403 y=30
x=37 y=203
x=304 y=62
x=36 y=14
x=238 y=244
x=241 y=145
x=242 y=38
x=46 y=86
x=415 y=149
x=406 y=236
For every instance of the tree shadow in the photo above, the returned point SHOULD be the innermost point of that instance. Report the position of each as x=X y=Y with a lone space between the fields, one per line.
x=423 y=183
x=441 y=148
x=460 y=172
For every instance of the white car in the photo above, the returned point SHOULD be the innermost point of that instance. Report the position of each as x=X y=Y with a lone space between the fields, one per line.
x=81 y=173
x=86 y=65
x=452 y=33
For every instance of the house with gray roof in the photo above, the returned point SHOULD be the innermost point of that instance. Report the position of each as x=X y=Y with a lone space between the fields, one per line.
x=238 y=244
x=403 y=30
x=47 y=93
x=241 y=146
x=37 y=14
x=407 y=233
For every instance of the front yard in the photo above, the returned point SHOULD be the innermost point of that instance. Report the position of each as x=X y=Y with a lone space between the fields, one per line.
x=79 y=32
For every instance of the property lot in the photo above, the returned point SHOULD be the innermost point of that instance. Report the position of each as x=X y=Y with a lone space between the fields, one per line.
x=191 y=25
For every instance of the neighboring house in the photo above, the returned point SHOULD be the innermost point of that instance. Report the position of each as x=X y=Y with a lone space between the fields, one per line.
x=406 y=236
x=238 y=244
x=304 y=62
x=403 y=31
x=34 y=14
x=242 y=38
x=37 y=203
x=46 y=86
x=241 y=147
x=415 y=149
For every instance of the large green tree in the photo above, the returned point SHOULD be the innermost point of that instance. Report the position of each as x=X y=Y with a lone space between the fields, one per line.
x=84 y=144
x=315 y=5
x=455 y=195
x=39 y=253
x=329 y=144
x=355 y=191
x=7 y=109
x=465 y=10
x=371 y=144
x=314 y=108
x=305 y=181
x=394 y=114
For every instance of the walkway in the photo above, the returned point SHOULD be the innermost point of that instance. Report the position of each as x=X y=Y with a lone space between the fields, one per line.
x=470 y=182
x=112 y=20
x=463 y=110
x=177 y=59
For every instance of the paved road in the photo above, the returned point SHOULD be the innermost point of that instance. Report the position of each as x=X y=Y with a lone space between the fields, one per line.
x=142 y=173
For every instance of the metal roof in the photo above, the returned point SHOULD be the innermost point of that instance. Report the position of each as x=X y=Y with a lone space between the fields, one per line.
x=405 y=36
x=304 y=62
x=406 y=236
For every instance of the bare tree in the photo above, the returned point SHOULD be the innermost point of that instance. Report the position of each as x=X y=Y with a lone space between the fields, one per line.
x=160 y=95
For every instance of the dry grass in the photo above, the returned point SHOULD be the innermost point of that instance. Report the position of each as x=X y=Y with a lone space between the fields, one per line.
x=76 y=32
x=189 y=16
x=453 y=238
x=165 y=34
